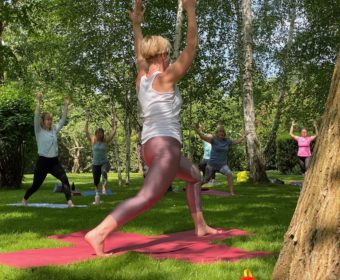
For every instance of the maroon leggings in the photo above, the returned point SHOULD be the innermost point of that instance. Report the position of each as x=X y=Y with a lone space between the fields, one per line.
x=163 y=156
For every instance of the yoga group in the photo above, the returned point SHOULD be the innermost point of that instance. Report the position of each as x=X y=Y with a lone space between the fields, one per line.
x=160 y=102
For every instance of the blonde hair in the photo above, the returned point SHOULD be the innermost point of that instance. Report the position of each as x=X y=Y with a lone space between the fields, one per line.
x=155 y=45
x=44 y=115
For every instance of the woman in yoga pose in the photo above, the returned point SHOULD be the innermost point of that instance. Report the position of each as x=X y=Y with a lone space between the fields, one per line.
x=48 y=162
x=218 y=157
x=161 y=102
x=304 y=141
x=100 y=162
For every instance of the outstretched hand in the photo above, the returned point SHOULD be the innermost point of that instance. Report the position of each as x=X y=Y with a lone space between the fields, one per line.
x=314 y=123
x=39 y=96
x=67 y=100
x=137 y=14
x=293 y=123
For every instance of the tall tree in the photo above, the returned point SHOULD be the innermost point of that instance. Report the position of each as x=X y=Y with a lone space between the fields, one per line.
x=286 y=69
x=255 y=158
x=311 y=243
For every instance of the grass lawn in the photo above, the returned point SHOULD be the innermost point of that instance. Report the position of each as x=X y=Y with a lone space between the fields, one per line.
x=265 y=210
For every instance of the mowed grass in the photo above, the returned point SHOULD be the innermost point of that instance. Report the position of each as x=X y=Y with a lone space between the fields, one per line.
x=264 y=210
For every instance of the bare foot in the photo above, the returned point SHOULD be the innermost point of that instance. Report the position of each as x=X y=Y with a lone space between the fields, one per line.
x=232 y=194
x=70 y=204
x=24 y=202
x=104 y=190
x=97 y=243
x=206 y=230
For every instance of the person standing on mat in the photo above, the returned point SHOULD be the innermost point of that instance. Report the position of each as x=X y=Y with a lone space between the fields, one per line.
x=100 y=162
x=48 y=162
x=304 y=141
x=219 y=157
x=160 y=102
x=206 y=156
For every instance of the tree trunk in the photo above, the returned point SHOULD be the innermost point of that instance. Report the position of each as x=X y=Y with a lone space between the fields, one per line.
x=269 y=149
x=311 y=243
x=2 y=76
x=117 y=159
x=255 y=159
x=178 y=31
x=127 y=141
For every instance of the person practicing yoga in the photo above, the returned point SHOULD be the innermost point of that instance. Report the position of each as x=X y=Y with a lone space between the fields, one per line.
x=160 y=102
x=304 y=141
x=218 y=157
x=206 y=156
x=100 y=162
x=48 y=162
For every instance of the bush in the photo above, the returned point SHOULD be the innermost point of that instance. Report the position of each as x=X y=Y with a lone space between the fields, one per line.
x=16 y=130
x=237 y=158
x=286 y=154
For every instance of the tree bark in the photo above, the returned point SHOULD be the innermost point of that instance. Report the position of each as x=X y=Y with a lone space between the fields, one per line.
x=311 y=244
x=127 y=141
x=255 y=158
x=117 y=159
x=178 y=30
x=2 y=76
x=269 y=148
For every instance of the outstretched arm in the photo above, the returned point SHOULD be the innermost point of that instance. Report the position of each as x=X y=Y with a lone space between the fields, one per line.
x=136 y=16
x=89 y=137
x=182 y=64
x=37 y=117
x=60 y=124
x=240 y=140
x=316 y=131
x=204 y=137
x=292 y=130
x=113 y=130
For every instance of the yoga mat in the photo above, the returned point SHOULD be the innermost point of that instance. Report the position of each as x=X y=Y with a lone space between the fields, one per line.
x=93 y=193
x=181 y=246
x=296 y=183
x=46 y=205
x=215 y=193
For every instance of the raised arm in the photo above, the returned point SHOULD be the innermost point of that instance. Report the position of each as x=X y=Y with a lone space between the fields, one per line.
x=89 y=137
x=206 y=138
x=182 y=64
x=60 y=124
x=37 y=117
x=240 y=140
x=136 y=16
x=113 y=130
x=292 y=130
x=315 y=130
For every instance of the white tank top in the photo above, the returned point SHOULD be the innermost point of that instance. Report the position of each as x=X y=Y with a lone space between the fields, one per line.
x=160 y=110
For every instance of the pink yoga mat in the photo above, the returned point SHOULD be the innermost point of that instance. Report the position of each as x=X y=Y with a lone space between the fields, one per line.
x=180 y=246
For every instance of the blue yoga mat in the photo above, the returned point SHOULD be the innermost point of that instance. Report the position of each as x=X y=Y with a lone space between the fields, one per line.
x=93 y=193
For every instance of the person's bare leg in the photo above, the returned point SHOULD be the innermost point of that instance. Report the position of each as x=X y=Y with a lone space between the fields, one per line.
x=162 y=154
x=96 y=236
x=190 y=173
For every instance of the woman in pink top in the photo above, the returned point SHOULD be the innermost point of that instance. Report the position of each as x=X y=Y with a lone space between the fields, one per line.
x=304 y=141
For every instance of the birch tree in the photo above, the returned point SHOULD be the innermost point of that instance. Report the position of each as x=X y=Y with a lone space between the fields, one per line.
x=255 y=158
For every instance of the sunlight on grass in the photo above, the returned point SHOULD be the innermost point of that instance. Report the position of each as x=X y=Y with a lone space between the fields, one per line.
x=262 y=210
